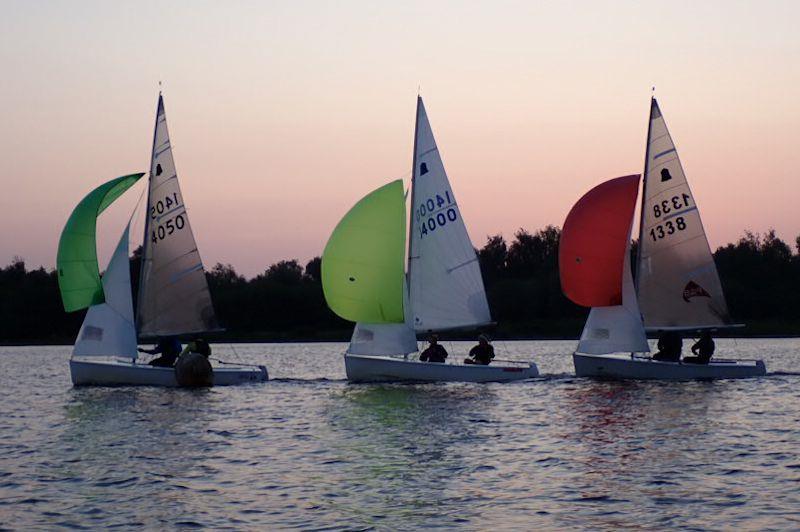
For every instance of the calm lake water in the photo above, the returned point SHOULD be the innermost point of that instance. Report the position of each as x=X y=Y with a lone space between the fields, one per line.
x=308 y=450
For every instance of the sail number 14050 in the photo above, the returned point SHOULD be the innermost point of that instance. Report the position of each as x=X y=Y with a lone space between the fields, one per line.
x=434 y=212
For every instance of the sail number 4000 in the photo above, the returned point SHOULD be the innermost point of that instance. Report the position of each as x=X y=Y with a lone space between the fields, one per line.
x=438 y=212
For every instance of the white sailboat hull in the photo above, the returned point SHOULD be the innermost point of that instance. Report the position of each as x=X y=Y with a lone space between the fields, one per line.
x=620 y=366
x=363 y=368
x=87 y=372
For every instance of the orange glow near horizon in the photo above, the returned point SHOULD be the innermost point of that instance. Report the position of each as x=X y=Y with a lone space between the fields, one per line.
x=283 y=115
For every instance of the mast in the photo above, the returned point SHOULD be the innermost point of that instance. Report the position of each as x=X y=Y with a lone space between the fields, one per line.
x=413 y=186
x=143 y=258
x=644 y=193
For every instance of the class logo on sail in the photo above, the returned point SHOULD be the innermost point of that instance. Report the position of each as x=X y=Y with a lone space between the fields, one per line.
x=693 y=289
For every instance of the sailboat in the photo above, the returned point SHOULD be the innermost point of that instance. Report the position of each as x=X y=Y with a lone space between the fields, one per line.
x=678 y=287
x=173 y=298
x=367 y=278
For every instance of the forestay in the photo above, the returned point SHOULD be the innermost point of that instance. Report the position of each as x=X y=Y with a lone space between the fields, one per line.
x=446 y=288
x=174 y=297
x=108 y=328
x=677 y=279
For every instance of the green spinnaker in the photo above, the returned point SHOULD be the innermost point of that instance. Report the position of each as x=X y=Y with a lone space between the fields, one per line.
x=364 y=261
x=78 y=271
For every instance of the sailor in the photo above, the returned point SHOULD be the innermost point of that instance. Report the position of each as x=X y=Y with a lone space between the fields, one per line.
x=169 y=347
x=482 y=354
x=670 y=346
x=703 y=349
x=434 y=352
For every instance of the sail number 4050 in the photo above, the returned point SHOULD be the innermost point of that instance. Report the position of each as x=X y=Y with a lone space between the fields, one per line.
x=167 y=228
x=435 y=212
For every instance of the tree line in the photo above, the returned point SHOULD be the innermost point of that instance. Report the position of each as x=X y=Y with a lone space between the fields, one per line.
x=760 y=275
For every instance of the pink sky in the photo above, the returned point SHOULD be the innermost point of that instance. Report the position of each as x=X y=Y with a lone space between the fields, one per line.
x=284 y=114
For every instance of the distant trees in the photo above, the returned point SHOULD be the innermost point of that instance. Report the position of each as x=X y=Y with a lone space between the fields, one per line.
x=760 y=275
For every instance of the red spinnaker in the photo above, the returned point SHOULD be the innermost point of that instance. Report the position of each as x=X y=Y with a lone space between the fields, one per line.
x=594 y=239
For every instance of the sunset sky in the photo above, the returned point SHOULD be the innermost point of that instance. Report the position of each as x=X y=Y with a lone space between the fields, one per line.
x=284 y=114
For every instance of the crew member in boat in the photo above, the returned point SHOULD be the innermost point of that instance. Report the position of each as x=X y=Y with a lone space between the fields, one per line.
x=169 y=348
x=703 y=349
x=670 y=345
x=434 y=351
x=482 y=354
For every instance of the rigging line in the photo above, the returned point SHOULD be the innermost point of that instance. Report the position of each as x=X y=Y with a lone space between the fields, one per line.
x=235 y=353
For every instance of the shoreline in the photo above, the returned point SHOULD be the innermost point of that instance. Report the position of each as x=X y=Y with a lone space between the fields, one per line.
x=63 y=343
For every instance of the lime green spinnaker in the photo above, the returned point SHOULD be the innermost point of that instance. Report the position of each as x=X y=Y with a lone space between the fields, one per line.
x=364 y=261
x=78 y=271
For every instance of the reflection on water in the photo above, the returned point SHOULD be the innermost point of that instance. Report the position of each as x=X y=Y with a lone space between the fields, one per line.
x=308 y=450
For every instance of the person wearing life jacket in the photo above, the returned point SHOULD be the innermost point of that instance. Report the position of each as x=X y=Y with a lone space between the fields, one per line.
x=482 y=354
x=703 y=349
x=434 y=352
x=169 y=348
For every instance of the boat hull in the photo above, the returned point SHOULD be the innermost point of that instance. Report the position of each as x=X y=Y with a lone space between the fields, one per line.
x=363 y=368
x=625 y=367
x=125 y=373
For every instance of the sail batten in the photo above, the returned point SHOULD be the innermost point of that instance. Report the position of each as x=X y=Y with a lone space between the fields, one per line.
x=174 y=296
x=677 y=281
x=445 y=284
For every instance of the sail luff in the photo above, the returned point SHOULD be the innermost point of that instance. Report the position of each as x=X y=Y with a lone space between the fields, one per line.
x=644 y=195
x=411 y=204
x=143 y=259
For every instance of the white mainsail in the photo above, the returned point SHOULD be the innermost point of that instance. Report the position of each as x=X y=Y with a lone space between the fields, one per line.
x=445 y=284
x=677 y=280
x=174 y=297
x=108 y=328
x=616 y=329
